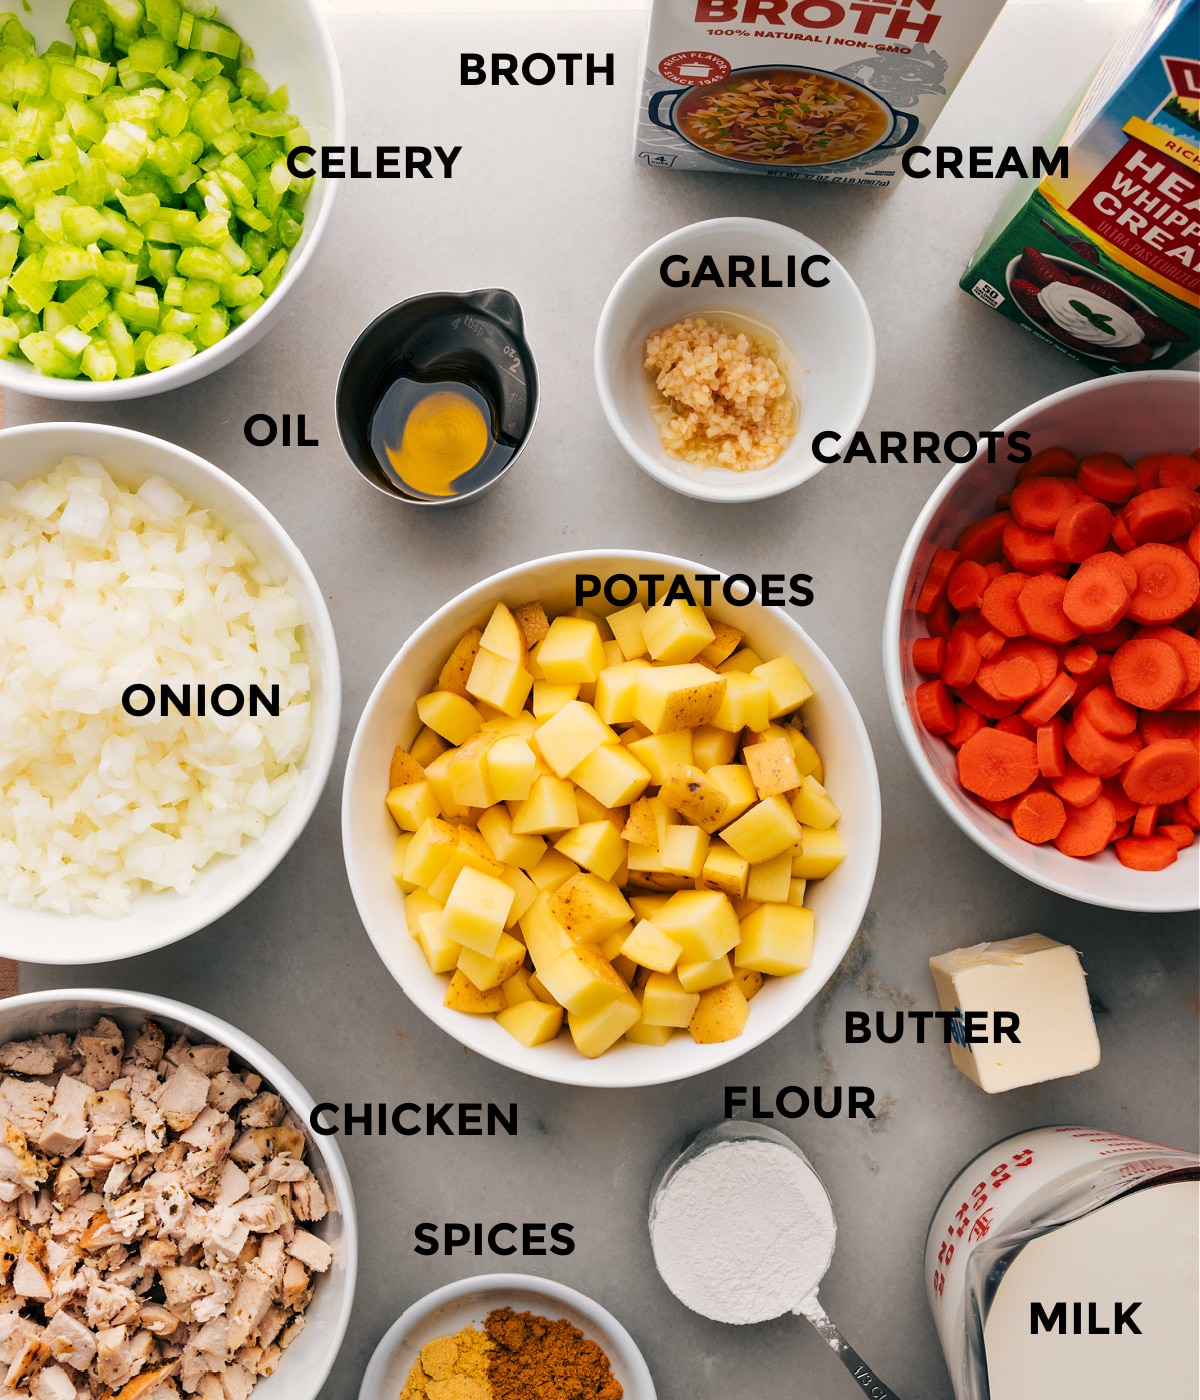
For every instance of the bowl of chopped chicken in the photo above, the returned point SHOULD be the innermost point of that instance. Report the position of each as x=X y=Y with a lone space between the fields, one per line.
x=169 y=1226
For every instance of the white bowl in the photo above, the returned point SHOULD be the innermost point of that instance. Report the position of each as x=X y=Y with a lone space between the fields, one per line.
x=825 y=332
x=308 y=1360
x=1132 y=415
x=369 y=835
x=291 y=46
x=468 y=1302
x=158 y=918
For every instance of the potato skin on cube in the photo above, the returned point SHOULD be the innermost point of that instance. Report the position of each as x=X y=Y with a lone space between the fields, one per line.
x=720 y=1015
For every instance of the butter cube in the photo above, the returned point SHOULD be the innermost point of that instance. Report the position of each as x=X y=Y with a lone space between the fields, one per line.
x=1037 y=980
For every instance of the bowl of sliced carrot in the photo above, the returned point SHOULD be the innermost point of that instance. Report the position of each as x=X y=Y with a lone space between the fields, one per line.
x=1040 y=643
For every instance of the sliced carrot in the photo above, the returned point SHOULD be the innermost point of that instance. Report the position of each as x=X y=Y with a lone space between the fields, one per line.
x=1109 y=641
x=982 y=541
x=1171 y=724
x=1040 y=604
x=1147 y=852
x=1107 y=477
x=987 y=705
x=966 y=583
x=991 y=643
x=1193 y=804
x=1082 y=531
x=1123 y=830
x=1193 y=545
x=1038 y=502
x=1052 y=756
x=1179 y=832
x=1180 y=471
x=996 y=569
x=1189 y=702
x=971 y=621
x=999 y=605
x=1164 y=514
x=1181 y=816
x=1077 y=787
x=1014 y=724
x=1038 y=817
x=940 y=620
x=1003 y=809
x=1095 y=599
x=928 y=653
x=1146 y=469
x=1148 y=674
x=996 y=765
x=1121 y=537
x=1031 y=551
x=1087 y=830
x=1145 y=821
x=934 y=587
x=1098 y=675
x=1080 y=659
x=1095 y=752
x=1045 y=706
x=967 y=722
x=1163 y=772
x=1122 y=806
x=1168 y=583
x=1110 y=714
x=1186 y=647
x=962 y=658
x=935 y=707
x=1010 y=677
x=1050 y=461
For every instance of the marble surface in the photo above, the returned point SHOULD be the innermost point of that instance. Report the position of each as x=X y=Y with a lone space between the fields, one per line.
x=546 y=201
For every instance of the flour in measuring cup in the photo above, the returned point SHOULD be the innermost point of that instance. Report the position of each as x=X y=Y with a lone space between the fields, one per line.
x=744 y=1232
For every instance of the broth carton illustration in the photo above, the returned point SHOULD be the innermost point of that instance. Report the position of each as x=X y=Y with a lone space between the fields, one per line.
x=800 y=89
x=1102 y=256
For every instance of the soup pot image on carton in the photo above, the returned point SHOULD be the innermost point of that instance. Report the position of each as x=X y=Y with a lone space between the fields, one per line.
x=850 y=92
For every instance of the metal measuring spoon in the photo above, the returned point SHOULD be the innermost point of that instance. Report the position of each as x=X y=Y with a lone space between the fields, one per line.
x=808 y=1306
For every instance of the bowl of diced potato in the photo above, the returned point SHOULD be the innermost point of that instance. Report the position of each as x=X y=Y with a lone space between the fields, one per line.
x=606 y=836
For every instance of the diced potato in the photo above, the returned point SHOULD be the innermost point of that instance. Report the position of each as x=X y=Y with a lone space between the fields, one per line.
x=418 y=903
x=437 y=774
x=662 y=754
x=592 y=811
x=772 y=766
x=470 y=850
x=610 y=944
x=516 y=989
x=476 y=911
x=432 y=845
x=642 y=1034
x=511 y=768
x=725 y=642
x=550 y=807
x=813 y=806
x=533 y=622
x=441 y=953
x=399 y=853
x=427 y=745
x=645 y=906
x=694 y=796
x=404 y=768
x=463 y=995
x=595 y=1034
x=589 y=908
x=767 y=830
x=549 y=699
x=539 y=990
x=744 y=660
x=553 y=870
x=676 y=632
x=449 y=715
x=786 y=683
x=665 y=1002
x=487 y=973
x=700 y=976
x=626 y=625
x=458 y=667
x=412 y=803
x=616 y=691
x=503 y=636
x=524 y=893
x=750 y=982
x=677 y=697
x=596 y=846
x=744 y=704
x=495 y=826
x=500 y=681
x=796 y=889
x=721 y=1015
x=641 y=829
x=808 y=760
x=735 y=782
x=613 y=655
x=573 y=651
x=467 y=770
x=711 y=746
x=570 y=735
x=821 y=852
x=613 y=775
x=702 y=922
x=771 y=881
x=582 y=979
x=531 y=1022
x=683 y=851
x=777 y=939
x=544 y=936
x=648 y=946
x=726 y=871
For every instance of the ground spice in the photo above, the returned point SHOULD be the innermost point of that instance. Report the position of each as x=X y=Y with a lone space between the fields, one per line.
x=536 y=1359
x=451 y=1368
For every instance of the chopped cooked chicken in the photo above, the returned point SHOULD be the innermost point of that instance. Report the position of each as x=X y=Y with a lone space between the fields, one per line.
x=66 y=1128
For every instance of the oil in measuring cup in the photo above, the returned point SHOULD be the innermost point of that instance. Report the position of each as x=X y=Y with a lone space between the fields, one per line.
x=438 y=396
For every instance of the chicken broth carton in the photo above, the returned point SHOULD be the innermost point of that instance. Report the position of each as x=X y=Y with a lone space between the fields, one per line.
x=831 y=90
x=1102 y=257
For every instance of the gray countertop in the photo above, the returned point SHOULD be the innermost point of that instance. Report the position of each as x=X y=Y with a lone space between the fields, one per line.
x=547 y=201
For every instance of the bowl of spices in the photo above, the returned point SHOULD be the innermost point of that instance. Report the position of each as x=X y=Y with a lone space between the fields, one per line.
x=506 y=1337
x=438 y=396
x=734 y=359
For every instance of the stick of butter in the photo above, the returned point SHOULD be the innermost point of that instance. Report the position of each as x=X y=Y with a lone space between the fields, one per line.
x=1043 y=984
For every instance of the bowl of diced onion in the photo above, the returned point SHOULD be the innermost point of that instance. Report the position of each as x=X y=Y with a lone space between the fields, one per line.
x=132 y=815
x=164 y=233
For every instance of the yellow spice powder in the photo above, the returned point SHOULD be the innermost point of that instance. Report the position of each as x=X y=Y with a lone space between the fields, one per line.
x=723 y=400
x=452 y=1368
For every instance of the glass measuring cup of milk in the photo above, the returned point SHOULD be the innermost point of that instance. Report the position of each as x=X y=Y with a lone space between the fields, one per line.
x=1068 y=1213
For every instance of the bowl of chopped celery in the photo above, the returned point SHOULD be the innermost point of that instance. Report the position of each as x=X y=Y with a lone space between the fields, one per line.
x=150 y=228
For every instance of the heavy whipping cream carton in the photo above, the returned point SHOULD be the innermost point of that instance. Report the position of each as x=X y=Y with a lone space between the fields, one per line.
x=831 y=90
x=1102 y=257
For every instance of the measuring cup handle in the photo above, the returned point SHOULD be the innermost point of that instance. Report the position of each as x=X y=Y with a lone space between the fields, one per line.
x=868 y=1382
x=502 y=306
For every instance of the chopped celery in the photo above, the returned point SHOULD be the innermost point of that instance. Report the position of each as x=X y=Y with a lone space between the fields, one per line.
x=146 y=207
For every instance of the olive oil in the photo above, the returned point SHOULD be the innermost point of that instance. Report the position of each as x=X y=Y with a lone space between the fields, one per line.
x=436 y=438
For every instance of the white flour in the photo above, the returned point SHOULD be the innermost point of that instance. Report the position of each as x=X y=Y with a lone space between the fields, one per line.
x=744 y=1232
